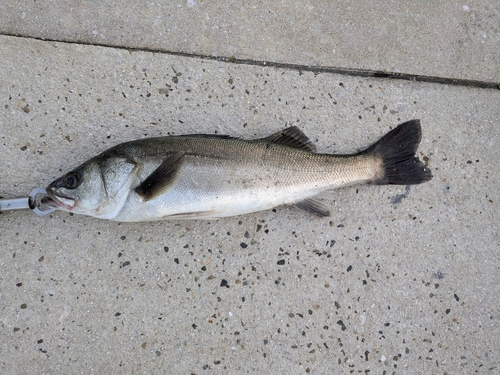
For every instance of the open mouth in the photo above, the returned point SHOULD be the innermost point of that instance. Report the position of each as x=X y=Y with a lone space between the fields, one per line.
x=58 y=201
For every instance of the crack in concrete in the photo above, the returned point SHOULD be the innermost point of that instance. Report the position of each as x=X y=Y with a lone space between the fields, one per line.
x=296 y=67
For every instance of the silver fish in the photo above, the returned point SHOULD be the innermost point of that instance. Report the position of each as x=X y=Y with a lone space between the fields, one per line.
x=209 y=176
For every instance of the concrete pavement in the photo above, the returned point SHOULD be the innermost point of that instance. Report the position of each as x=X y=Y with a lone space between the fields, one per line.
x=398 y=281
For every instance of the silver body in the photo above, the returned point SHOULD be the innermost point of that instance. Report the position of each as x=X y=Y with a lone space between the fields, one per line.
x=207 y=177
x=217 y=178
x=221 y=178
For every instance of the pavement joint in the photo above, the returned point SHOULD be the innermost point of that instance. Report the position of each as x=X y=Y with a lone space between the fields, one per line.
x=297 y=67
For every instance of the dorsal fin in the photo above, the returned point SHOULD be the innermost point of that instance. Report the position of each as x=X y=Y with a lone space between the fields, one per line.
x=292 y=137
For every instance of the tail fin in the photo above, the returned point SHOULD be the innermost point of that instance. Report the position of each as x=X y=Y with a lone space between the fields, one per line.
x=397 y=150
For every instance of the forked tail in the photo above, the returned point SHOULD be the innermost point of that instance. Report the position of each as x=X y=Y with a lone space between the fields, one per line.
x=397 y=150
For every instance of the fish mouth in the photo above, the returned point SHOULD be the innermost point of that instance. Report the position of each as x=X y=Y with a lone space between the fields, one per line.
x=55 y=200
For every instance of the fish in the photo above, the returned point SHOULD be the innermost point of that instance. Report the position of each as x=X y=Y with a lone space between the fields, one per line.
x=208 y=177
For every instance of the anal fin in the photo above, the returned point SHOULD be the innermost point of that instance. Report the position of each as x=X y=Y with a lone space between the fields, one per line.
x=156 y=183
x=313 y=206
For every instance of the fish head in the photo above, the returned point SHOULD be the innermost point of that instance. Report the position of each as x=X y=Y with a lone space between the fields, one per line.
x=97 y=188
x=81 y=190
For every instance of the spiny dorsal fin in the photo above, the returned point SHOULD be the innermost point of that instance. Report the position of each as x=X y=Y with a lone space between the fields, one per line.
x=292 y=137
x=313 y=206
x=156 y=183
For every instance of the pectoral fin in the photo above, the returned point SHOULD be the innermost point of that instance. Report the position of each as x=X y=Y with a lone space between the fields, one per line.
x=314 y=207
x=158 y=181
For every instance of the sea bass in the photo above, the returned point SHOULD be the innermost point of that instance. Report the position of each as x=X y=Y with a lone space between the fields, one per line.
x=212 y=176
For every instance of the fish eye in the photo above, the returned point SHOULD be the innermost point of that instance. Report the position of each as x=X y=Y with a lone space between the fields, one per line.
x=71 y=180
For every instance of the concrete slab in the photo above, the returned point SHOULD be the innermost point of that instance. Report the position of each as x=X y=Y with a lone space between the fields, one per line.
x=449 y=39
x=396 y=281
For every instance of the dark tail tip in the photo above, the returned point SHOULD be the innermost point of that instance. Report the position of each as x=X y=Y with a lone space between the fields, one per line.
x=397 y=150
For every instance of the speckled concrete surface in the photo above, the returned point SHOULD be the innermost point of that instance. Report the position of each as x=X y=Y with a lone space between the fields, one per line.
x=397 y=281
x=446 y=39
